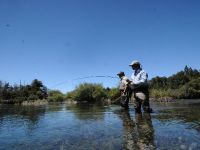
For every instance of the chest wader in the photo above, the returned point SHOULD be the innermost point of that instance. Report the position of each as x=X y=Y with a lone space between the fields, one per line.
x=125 y=96
x=141 y=95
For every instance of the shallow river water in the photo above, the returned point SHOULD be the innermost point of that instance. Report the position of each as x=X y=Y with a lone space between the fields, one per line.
x=174 y=125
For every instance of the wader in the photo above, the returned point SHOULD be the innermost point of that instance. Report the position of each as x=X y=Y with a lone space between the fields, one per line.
x=141 y=95
x=125 y=96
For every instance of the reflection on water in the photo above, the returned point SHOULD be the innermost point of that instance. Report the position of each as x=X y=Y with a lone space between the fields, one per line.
x=137 y=133
x=14 y=114
x=177 y=124
x=88 y=111
x=94 y=126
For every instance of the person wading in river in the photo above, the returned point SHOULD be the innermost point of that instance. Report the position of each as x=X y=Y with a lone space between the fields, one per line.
x=124 y=90
x=140 y=88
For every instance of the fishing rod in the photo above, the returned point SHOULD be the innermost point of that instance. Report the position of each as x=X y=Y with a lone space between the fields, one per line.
x=86 y=77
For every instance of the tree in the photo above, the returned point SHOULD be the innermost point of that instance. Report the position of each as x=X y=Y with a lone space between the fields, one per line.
x=158 y=82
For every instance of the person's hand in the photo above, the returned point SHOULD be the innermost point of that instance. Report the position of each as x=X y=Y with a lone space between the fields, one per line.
x=129 y=81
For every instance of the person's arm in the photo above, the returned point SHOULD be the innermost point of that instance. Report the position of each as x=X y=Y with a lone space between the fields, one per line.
x=126 y=80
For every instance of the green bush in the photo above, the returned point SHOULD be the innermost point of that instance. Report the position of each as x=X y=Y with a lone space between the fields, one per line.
x=88 y=92
x=189 y=90
x=56 y=96
x=158 y=93
x=70 y=95
x=33 y=97
x=113 y=93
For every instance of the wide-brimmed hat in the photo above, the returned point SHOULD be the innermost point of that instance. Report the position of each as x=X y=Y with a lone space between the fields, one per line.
x=121 y=73
x=135 y=62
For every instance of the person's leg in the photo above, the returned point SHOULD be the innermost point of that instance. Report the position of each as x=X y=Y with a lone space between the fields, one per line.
x=145 y=103
x=128 y=97
x=137 y=103
x=125 y=96
x=124 y=101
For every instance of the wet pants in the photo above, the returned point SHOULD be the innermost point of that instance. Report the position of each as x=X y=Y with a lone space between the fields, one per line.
x=141 y=99
x=124 y=101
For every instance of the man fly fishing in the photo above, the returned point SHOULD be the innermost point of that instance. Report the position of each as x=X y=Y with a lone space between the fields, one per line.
x=140 y=87
x=137 y=87
x=125 y=90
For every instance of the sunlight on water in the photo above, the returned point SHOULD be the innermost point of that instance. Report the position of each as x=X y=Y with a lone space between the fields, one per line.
x=93 y=126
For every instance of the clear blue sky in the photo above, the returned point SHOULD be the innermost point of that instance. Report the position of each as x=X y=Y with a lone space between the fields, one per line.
x=59 y=40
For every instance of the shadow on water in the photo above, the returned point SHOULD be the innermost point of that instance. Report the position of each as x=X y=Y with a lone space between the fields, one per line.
x=138 y=133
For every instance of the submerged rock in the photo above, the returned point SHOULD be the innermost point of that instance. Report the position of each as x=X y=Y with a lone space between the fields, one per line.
x=183 y=147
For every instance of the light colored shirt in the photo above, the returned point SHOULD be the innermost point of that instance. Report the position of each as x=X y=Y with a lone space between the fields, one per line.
x=140 y=76
x=123 y=83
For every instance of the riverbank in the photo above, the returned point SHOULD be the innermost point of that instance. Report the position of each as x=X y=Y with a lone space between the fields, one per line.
x=163 y=99
x=70 y=101
x=36 y=102
x=45 y=102
x=20 y=102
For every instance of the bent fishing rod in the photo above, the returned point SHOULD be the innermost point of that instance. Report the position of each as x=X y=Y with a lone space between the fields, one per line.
x=86 y=77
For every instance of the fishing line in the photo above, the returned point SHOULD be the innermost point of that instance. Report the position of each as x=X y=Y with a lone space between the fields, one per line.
x=81 y=78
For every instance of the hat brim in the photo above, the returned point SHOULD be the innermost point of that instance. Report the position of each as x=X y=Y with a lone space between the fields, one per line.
x=134 y=64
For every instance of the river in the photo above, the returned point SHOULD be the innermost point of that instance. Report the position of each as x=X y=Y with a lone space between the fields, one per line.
x=173 y=125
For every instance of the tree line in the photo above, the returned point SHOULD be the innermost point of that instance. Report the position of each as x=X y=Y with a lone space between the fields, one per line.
x=37 y=91
x=19 y=93
x=183 y=84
